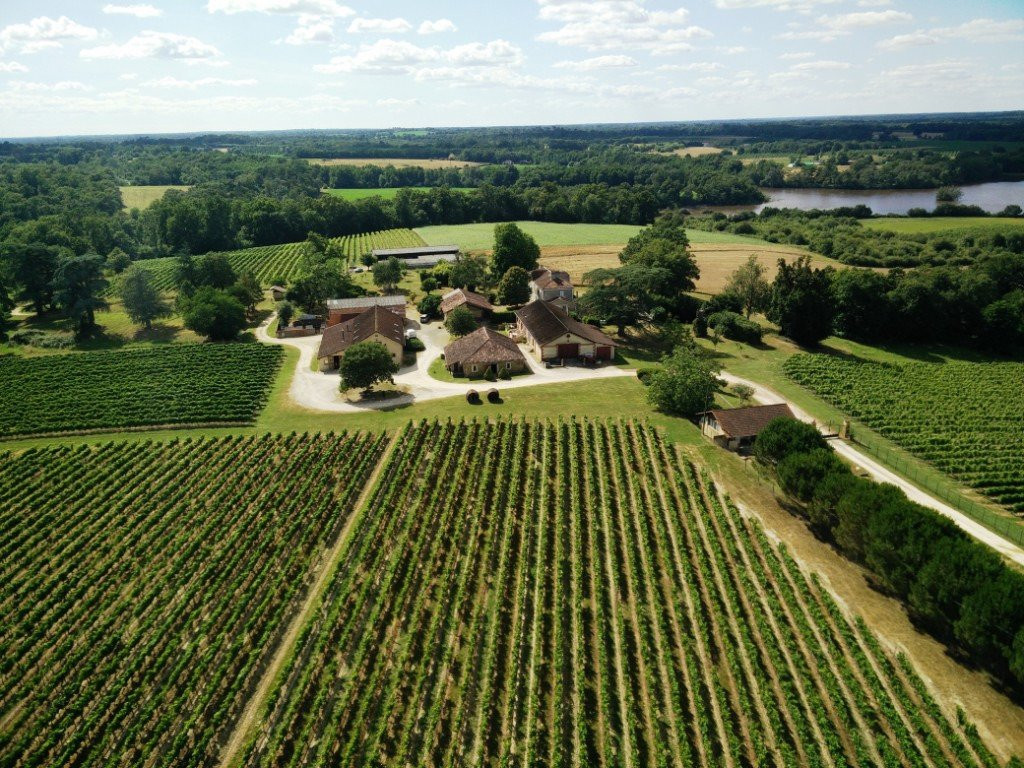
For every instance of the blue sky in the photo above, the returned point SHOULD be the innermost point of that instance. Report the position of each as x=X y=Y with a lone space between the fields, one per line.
x=89 y=66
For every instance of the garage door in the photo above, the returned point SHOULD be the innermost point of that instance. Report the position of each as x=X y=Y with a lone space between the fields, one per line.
x=603 y=353
x=568 y=350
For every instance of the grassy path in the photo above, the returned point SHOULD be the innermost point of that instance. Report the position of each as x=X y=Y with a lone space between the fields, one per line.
x=246 y=723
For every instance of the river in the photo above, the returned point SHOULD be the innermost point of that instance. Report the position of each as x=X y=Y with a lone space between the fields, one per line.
x=992 y=197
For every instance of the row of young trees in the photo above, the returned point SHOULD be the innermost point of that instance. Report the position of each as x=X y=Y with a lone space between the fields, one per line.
x=956 y=588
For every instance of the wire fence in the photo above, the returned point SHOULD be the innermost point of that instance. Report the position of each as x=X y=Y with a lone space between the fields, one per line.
x=1008 y=527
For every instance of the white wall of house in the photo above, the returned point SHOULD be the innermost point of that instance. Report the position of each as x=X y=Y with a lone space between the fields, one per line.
x=328 y=363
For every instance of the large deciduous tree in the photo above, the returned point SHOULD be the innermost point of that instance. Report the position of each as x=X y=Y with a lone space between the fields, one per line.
x=684 y=385
x=460 y=321
x=365 y=364
x=78 y=288
x=32 y=268
x=802 y=302
x=514 y=287
x=214 y=313
x=512 y=248
x=142 y=301
x=749 y=284
x=388 y=273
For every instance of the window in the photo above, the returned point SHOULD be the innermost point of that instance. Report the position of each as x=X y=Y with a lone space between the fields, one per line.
x=474 y=369
x=508 y=366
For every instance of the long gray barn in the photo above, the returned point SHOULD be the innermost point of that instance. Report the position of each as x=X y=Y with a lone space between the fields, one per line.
x=420 y=256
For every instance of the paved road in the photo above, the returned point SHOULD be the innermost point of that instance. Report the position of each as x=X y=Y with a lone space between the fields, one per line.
x=319 y=391
x=883 y=475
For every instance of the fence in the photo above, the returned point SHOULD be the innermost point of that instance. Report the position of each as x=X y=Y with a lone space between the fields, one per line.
x=1007 y=527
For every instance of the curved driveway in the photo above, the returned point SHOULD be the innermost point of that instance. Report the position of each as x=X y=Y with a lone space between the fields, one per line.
x=319 y=391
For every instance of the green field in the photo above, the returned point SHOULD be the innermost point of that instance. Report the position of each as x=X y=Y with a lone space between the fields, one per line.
x=171 y=384
x=481 y=236
x=964 y=418
x=388 y=193
x=142 y=197
x=926 y=224
x=144 y=585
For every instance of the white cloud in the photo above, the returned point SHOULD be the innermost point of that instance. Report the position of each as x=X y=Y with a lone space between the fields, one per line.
x=381 y=26
x=436 y=27
x=873 y=3
x=312 y=29
x=42 y=33
x=290 y=7
x=797 y=55
x=155 y=45
x=696 y=66
x=974 y=31
x=12 y=66
x=808 y=66
x=598 y=62
x=202 y=82
x=392 y=103
x=139 y=11
x=862 y=19
x=778 y=5
x=388 y=56
x=618 y=24
x=62 y=86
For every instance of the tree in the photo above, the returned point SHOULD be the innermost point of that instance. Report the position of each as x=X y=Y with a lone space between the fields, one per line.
x=365 y=364
x=247 y=290
x=216 y=271
x=749 y=284
x=32 y=268
x=285 y=313
x=800 y=473
x=325 y=281
x=460 y=321
x=214 y=313
x=118 y=261
x=78 y=288
x=186 y=270
x=685 y=384
x=661 y=253
x=948 y=194
x=430 y=305
x=784 y=436
x=387 y=274
x=802 y=303
x=142 y=301
x=6 y=305
x=467 y=271
x=514 y=287
x=512 y=248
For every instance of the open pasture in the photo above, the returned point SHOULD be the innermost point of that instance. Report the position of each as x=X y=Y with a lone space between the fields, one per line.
x=142 y=197
x=395 y=162
x=927 y=224
x=580 y=594
x=144 y=586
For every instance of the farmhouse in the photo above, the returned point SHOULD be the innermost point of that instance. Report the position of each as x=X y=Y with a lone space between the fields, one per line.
x=374 y=324
x=481 y=351
x=340 y=310
x=554 y=286
x=419 y=256
x=553 y=335
x=737 y=428
x=477 y=304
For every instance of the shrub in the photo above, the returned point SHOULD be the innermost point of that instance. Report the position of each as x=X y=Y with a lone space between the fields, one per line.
x=490 y=375
x=735 y=326
x=783 y=436
x=414 y=345
x=684 y=386
x=800 y=473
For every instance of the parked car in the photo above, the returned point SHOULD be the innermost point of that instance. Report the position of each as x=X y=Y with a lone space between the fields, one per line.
x=424 y=318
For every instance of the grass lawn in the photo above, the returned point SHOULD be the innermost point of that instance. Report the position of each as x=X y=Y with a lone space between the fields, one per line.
x=924 y=224
x=481 y=236
x=142 y=197
x=388 y=193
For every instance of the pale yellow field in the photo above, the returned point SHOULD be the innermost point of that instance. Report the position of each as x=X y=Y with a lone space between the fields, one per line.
x=396 y=162
x=716 y=260
x=142 y=197
x=697 y=151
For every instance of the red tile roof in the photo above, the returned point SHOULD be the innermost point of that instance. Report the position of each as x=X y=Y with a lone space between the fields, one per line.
x=460 y=296
x=340 y=337
x=546 y=322
x=748 y=422
x=483 y=347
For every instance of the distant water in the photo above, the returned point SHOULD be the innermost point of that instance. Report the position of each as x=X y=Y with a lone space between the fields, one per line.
x=992 y=197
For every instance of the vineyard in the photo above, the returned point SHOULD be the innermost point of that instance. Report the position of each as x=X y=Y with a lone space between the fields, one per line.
x=173 y=384
x=966 y=419
x=579 y=594
x=284 y=262
x=143 y=586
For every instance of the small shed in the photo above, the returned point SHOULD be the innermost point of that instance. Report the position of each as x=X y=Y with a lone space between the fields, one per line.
x=737 y=428
x=278 y=292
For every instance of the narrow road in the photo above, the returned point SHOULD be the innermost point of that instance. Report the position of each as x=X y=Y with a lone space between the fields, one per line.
x=249 y=719
x=882 y=474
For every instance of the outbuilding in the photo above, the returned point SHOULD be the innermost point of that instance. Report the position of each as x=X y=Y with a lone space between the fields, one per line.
x=374 y=324
x=340 y=310
x=474 y=302
x=481 y=351
x=553 y=334
x=738 y=428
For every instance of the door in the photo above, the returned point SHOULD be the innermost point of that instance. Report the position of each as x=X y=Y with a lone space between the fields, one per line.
x=568 y=350
x=603 y=353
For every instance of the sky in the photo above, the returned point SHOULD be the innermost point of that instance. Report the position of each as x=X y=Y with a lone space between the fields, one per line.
x=72 y=67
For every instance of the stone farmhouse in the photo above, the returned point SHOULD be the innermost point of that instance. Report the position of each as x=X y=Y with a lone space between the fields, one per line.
x=373 y=324
x=340 y=310
x=477 y=304
x=554 y=286
x=552 y=334
x=481 y=351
